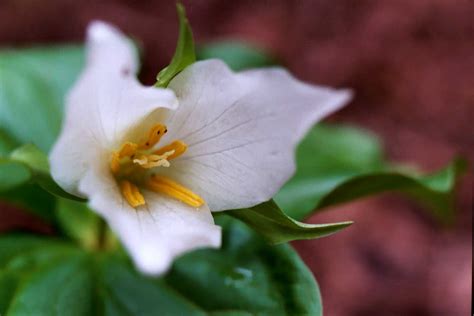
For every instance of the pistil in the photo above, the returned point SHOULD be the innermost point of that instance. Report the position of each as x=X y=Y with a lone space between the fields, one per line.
x=152 y=161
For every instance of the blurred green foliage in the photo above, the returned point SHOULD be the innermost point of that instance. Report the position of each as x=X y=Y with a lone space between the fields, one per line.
x=42 y=276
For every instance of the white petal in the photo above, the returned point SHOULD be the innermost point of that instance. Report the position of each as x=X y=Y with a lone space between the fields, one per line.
x=107 y=47
x=242 y=130
x=104 y=106
x=108 y=93
x=153 y=234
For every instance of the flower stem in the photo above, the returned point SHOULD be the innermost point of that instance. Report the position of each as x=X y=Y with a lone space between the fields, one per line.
x=101 y=235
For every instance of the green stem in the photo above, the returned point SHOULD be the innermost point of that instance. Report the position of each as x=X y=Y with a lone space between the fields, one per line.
x=102 y=235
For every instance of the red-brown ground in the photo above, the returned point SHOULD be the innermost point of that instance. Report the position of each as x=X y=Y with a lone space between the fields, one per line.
x=411 y=64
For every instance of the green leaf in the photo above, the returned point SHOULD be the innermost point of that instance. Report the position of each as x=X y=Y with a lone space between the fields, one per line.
x=341 y=164
x=237 y=55
x=125 y=292
x=326 y=157
x=434 y=191
x=61 y=288
x=28 y=162
x=14 y=245
x=7 y=143
x=34 y=82
x=246 y=277
x=8 y=284
x=12 y=174
x=184 y=54
x=40 y=276
x=32 y=157
x=276 y=227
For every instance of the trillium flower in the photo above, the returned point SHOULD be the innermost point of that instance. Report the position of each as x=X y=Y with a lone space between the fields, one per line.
x=154 y=162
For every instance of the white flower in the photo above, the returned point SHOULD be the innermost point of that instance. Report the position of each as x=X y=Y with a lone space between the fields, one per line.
x=154 y=162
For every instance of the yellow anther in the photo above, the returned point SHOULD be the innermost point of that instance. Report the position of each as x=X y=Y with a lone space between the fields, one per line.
x=154 y=136
x=115 y=162
x=131 y=193
x=178 y=146
x=169 y=187
x=128 y=149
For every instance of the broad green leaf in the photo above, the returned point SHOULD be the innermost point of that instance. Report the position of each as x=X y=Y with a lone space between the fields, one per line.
x=12 y=174
x=30 y=163
x=14 y=245
x=434 y=191
x=339 y=164
x=34 y=82
x=184 y=54
x=8 y=284
x=237 y=55
x=268 y=220
x=61 y=287
x=125 y=292
x=246 y=277
x=7 y=143
x=40 y=276
x=326 y=157
x=32 y=157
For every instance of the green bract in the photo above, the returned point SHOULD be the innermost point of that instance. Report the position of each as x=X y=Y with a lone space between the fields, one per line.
x=184 y=54
x=276 y=227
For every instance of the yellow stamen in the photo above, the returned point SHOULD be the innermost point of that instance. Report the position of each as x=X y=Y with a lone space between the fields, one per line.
x=137 y=194
x=115 y=163
x=175 y=190
x=154 y=136
x=131 y=194
x=128 y=149
x=178 y=146
x=128 y=161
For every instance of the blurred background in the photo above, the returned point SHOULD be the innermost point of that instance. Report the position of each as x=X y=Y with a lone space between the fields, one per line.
x=411 y=64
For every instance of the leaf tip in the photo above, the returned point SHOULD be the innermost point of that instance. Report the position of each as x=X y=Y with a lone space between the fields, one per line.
x=181 y=10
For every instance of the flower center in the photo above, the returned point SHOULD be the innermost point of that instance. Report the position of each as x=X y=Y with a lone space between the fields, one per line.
x=130 y=163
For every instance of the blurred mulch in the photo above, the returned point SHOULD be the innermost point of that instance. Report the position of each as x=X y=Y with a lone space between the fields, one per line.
x=411 y=64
